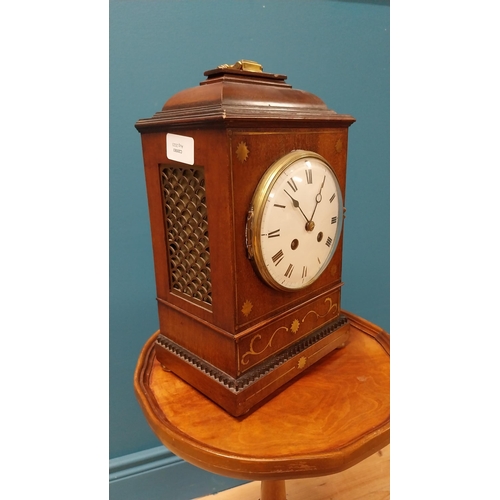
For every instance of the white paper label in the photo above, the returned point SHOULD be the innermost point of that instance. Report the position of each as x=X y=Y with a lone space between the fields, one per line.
x=180 y=148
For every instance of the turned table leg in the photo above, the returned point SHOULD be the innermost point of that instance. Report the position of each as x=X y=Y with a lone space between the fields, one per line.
x=272 y=490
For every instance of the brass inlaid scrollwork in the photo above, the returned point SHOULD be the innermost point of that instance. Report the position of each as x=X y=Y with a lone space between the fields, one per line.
x=253 y=352
x=332 y=307
x=294 y=328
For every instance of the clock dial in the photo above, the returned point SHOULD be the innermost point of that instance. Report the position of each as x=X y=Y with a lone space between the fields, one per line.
x=297 y=220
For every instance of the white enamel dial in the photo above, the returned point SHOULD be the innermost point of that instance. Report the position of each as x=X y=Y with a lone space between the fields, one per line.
x=296 y=220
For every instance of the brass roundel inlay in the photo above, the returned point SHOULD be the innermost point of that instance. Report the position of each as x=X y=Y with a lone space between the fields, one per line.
x=242 y=151
x=302 y=362
x=247 y=308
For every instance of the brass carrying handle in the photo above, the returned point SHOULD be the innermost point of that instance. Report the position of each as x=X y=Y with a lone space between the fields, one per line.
x=243 y=65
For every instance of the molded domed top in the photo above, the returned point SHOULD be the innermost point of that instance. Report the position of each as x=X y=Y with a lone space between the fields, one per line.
x=238 y=95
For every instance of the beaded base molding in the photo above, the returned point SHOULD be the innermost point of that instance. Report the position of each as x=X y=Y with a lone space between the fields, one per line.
x=238 y=395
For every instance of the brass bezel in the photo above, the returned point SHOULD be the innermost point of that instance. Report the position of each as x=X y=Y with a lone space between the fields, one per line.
x=254 y=219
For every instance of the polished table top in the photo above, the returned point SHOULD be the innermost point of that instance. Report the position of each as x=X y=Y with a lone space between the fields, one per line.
x=332 y=417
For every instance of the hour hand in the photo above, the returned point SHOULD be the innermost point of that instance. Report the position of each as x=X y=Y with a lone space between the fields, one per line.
x=296 y=204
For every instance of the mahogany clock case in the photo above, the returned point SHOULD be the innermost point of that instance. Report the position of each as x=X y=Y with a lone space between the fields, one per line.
x=222 y=329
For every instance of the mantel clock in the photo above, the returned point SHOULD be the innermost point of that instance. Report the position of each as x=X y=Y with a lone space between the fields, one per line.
x=245 y=180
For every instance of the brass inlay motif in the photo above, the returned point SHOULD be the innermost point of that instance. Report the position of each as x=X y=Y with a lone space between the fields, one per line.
x=244 y=65
x=338 y=146
x=253 y=352
x=332 y=307
x=295 y=326
x=242 y=151
x=302 y=362
x=247 y=308
x=254 y=373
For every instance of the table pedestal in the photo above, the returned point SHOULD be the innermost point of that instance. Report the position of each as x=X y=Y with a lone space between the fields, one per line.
x=273 y=490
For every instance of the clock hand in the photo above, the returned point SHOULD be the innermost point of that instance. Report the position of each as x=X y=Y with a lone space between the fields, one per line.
x=318 y=197
x=297 y=205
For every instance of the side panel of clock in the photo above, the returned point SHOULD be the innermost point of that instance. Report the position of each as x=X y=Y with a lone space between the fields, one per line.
x=192 y=228
x=253 y=151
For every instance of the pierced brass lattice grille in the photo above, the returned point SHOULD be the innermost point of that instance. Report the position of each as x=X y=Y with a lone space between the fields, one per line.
x=186 y=224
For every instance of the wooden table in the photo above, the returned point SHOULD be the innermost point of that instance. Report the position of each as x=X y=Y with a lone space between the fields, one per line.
x=328 y=420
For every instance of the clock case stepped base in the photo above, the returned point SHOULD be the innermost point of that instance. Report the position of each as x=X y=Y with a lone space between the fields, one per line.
x=240 y=395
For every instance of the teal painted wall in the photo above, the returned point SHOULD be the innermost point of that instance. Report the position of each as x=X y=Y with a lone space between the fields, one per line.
x=336 y=50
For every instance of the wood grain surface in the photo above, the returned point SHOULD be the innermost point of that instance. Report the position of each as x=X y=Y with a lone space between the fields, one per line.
x=331 y=418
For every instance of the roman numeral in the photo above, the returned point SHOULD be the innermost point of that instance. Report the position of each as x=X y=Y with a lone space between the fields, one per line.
x=292 y=184
x=273 y=234
x=289 y=271
x=309 y=176
x=329 y=242
x=279 y=206
x=277 y=257
x=304 y=272
x=334 y=220
x=333 y=197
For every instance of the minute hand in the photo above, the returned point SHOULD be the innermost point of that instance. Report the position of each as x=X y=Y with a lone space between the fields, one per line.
x=318 y=197
x=297 y=205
